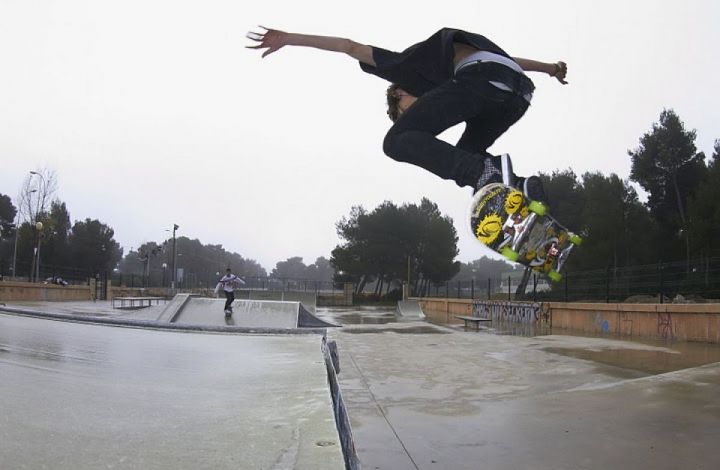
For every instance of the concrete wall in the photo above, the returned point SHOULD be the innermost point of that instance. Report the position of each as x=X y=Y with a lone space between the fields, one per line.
x=16 y=291
x=115 y=291
x=441 y=310
x=686 y=322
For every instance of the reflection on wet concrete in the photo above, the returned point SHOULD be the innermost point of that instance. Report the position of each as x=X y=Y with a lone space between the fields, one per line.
x=670 y=357
x=413 y=330
x=378 y=319
x=85 y=396
x=358 y=316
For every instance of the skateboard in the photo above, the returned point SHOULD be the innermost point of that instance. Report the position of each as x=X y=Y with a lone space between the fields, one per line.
x=523 y=231
x=228 y=312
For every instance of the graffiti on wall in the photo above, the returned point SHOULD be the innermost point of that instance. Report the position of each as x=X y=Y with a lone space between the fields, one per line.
x=516 y=312
x=665 y=326
x=602 y=324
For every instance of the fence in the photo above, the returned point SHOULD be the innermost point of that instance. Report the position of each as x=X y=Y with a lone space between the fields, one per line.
x=48 y=273
x=661 y=282
x=190 y=282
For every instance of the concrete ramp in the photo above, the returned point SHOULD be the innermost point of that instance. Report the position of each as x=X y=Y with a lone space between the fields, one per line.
x=409 y=310
x=247 y=314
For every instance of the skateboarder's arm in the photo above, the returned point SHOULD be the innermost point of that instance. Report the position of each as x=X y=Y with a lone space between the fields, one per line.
x=273 y=39
x=557 y=70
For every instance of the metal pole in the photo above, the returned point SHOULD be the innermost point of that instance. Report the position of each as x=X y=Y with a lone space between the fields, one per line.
x=174 y=260
x=660 y=266
x=509 y=290
x=607 y=286
x=17 y=229
x=37 y=266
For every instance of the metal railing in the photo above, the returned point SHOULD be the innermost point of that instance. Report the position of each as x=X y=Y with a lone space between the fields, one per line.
x=696 y=280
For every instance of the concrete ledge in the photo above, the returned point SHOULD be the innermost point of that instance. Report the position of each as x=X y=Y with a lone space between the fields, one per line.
x=159 y=325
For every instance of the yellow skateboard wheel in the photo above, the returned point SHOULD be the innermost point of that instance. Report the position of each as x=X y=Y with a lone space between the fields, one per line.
x=555 y=276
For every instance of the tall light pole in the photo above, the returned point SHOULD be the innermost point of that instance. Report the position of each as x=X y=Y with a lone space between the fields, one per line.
x=174 y=258
x=38 y=225
x=17 y=229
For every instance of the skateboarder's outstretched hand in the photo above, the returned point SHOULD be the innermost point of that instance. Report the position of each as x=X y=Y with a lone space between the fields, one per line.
x=270 y=39
x=560 y=72
x=273 y=39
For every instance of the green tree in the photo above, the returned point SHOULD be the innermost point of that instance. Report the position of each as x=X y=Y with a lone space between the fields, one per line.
x=7 y=215
x=56 y=233
x=321 y=270
x=379 y=245
x=201 y=265
x=7 y=232
x=667 y=165
x=93 y=247
x=292 y=268
x=483 y=269
x=704 y=211
x=566 y=197
x=437 y=246
x=619 y=230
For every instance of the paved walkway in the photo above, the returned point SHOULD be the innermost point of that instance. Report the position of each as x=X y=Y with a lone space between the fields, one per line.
x=429 y=397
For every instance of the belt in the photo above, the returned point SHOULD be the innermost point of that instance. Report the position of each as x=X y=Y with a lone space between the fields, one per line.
x=501 y=71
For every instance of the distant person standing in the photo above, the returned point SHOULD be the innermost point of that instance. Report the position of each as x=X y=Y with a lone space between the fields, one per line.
x=228 y=284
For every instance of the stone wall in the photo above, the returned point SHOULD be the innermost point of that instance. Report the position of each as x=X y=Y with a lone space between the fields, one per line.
x=684 y=322
x=441 y=310
x=16 y=291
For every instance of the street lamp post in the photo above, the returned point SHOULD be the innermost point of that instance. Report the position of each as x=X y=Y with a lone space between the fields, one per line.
x=39 y=228
x=174 y=258
x=35 y=266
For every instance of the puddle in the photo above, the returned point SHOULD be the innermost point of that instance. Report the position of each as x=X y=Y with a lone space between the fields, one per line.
x=413 y=330
x=359 y=319
x=675 y=356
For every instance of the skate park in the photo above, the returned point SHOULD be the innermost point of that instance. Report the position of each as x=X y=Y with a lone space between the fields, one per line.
x=148 y=387
x=147 y=152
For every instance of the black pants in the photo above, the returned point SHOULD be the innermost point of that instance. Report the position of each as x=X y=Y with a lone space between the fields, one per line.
x=487 y=111
x=230 y=296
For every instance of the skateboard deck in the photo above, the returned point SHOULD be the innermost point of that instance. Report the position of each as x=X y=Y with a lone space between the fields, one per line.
x=523 y=231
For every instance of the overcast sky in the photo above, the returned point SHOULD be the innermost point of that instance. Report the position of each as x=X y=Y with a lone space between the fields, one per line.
x=152 y=112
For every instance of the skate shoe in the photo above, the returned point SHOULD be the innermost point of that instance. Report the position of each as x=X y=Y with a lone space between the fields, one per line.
x=498 y=169
x=532 y=187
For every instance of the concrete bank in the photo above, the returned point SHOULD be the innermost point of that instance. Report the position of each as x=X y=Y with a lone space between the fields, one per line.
x=85 y=396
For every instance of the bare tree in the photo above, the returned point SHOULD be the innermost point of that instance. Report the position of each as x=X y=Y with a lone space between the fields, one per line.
x=36 y=195
x=37 y=192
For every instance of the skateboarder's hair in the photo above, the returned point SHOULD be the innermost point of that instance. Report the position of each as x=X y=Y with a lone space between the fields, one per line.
x=393 y=102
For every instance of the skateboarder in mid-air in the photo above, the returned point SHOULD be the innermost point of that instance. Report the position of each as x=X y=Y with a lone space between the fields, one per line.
x=228 y=283
x=453 y=76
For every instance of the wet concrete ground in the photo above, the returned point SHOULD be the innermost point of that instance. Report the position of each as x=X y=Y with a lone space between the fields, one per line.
x=422 y=396
x=86 y=396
